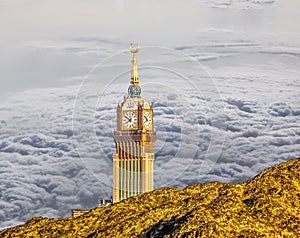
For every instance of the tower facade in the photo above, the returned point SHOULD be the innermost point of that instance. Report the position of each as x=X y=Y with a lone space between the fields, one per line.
x=134 y=139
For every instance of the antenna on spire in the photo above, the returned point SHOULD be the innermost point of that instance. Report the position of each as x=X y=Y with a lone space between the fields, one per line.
x=134 y=69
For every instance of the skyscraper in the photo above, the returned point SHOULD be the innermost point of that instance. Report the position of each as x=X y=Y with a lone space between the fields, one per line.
x=134 y=139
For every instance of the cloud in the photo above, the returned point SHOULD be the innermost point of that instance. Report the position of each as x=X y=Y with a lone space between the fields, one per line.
x=239 y=4
x=44 y=172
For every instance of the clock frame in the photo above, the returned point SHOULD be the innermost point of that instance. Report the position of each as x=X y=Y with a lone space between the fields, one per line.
x=129 y=120
x=147 y=120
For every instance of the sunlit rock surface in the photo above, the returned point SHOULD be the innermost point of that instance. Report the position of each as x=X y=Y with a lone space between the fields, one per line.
x=265 y=206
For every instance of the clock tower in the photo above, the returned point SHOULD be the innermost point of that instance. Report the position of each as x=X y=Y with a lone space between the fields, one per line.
x=134 y=139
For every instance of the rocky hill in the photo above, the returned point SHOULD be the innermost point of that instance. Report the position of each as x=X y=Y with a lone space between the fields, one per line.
x=266 y=206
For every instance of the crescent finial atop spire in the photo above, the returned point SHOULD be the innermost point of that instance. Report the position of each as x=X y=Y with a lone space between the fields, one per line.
x=134 y=69
x=134 y=50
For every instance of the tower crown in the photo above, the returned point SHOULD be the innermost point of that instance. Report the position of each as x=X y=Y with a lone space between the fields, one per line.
x=134 y=89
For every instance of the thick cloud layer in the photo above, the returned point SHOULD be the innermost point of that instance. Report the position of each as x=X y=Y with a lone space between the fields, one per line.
x=45 y=171
x=42 y=174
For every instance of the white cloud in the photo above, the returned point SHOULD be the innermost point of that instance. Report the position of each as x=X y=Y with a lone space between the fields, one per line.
x=240 y=4
x=258 y=79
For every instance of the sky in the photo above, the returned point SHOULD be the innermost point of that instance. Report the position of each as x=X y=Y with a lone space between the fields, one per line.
x=223 y=77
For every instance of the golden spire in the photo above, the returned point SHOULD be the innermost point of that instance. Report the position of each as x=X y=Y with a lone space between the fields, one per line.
x=134 y=69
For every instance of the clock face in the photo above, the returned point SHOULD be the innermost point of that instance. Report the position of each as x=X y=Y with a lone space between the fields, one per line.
x=129 y=120
x=147 y=120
